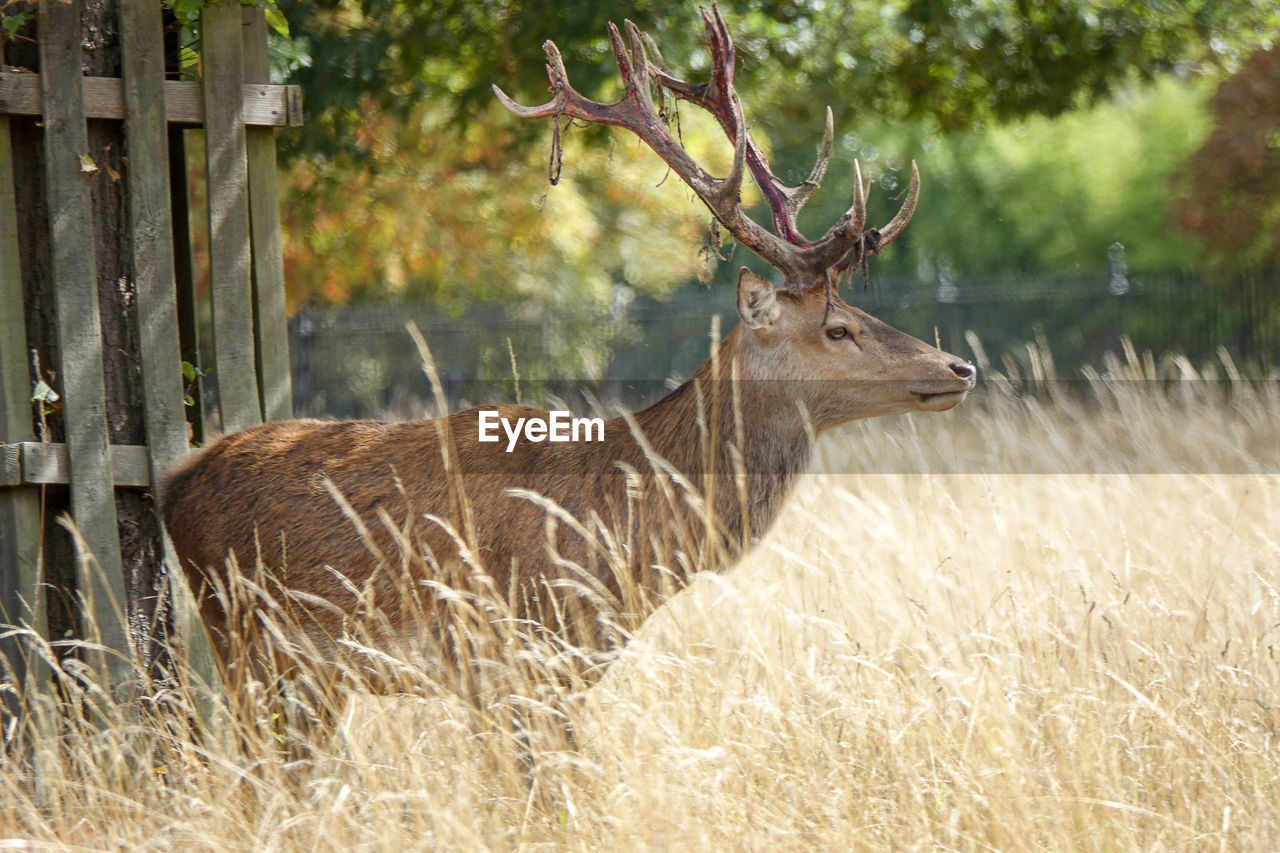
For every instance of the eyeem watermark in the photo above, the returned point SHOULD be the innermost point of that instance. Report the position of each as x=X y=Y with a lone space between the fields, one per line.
x=557 y=426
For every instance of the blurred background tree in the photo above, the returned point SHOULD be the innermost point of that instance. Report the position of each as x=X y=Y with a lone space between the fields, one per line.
x=1229 y=191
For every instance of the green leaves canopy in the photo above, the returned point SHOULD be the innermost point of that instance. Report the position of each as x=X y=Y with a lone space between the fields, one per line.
x=958 y=64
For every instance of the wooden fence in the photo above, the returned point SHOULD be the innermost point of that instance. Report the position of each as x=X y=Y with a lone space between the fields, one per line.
x=51 y=108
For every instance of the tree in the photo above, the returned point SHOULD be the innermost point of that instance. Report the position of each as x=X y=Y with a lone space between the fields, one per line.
x=1231 y=192
x=959 y=63
x=1232 y=185
x=1050 y=197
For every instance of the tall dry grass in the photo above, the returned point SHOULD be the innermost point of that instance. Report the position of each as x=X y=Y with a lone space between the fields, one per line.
x=1046 y=620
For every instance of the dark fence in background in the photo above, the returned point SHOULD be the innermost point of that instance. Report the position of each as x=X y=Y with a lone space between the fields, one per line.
x=360 y=361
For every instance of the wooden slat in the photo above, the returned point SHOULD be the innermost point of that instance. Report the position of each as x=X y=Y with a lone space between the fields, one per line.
x=151 y=241
x=263 y=104
x=21 y=599
x=229 y=252
x=270 y=322
x=151 y=248
x=47 y=462
x=10 y=467
x=79 y=331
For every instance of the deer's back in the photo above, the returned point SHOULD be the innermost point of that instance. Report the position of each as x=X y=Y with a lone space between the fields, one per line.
x=269 y=495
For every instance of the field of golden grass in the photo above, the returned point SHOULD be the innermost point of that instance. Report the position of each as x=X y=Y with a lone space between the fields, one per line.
x=1044 y=621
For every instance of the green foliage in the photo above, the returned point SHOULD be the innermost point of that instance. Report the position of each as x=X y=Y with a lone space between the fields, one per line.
x=970 y=61
x=15 y=21
x=186 y=16
x=958 y=65
x=1054 y=195
x=190 y=374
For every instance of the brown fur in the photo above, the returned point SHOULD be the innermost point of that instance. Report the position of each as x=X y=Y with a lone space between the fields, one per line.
x=262 y=494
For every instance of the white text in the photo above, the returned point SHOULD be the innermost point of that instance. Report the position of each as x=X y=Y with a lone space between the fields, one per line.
x=557 y=426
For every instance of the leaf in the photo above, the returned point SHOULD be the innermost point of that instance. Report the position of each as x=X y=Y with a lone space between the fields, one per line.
x=277 y=21
x=15 y=21
x=43 y=393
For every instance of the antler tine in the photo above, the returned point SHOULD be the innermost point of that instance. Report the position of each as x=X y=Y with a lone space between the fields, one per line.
x=723 y=55
x=858 y=212
x=899 y=222
x=798 y=196
x=559 y=86
x=730 y=190
x=655 y=54
x=867 y=243
x=634 y=69
x=568 y=101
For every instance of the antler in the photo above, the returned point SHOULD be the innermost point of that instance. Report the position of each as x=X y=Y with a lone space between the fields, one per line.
x=801 y=262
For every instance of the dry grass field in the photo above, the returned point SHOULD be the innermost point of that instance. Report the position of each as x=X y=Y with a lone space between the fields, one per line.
x=1044 y=621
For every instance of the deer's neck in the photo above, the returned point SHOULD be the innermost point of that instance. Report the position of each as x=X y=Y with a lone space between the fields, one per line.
x=746 y=452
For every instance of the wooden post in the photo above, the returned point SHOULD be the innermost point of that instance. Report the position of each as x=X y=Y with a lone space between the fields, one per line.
x=270 y=324
x=235 y=363
x=100 y=572
x=21 y=599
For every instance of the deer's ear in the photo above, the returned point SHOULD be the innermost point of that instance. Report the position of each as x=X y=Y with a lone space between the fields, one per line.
x=757 y=302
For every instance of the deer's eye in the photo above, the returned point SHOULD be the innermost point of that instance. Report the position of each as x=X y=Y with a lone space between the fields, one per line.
x=837 y=333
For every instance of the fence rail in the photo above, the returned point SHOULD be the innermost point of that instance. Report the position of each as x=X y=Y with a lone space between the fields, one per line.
x=262 y=105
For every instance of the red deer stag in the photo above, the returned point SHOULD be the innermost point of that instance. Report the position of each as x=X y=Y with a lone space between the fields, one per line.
x=336 y=515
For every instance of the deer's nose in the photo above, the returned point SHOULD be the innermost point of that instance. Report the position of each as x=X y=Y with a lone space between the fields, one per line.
x=964 y=370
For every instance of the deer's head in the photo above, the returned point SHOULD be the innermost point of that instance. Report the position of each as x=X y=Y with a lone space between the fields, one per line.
x=841 y=362
x=802 y=339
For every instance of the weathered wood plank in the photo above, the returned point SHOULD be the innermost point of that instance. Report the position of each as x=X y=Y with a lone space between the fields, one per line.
x=25 y=463
x=10 y=466
x=16 y=423
x=79 y=332
x=151 y=247
x=151 y=240
x=262 y=105
x=48 y=463
x=229 y=250
x=270 y=322
x=20 y=597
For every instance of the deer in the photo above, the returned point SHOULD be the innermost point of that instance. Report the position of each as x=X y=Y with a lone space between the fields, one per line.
x=344 y=519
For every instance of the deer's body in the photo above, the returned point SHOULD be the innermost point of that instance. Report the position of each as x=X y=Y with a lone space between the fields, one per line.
x=341 y=520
